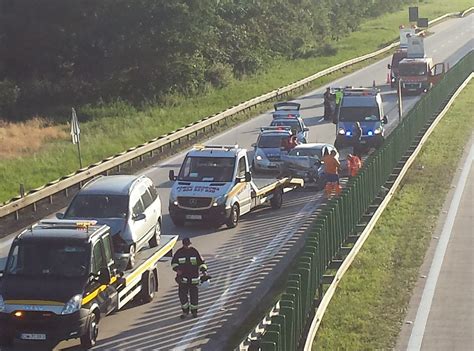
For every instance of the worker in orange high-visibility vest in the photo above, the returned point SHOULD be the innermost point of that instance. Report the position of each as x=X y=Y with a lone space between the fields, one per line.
x=353 y=165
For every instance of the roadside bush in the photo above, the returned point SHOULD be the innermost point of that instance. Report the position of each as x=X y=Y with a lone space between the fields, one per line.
x=9 y=94
x=219 y=75
x=327 y=50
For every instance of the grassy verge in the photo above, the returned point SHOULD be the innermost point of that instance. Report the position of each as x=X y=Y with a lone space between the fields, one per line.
x=368 y=308
x=113 y=128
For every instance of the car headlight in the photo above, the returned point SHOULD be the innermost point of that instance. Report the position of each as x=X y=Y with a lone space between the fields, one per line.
x=259 y=158
x=2 y=304
x=73 y=305
x=220 y=200
x=341 y=131
x=378 y=130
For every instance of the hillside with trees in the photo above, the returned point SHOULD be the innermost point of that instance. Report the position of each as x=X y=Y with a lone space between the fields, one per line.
x=85 y=51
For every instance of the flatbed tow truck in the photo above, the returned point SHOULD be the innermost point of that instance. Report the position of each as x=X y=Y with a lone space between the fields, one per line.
x=215 y=185
x=61 y=278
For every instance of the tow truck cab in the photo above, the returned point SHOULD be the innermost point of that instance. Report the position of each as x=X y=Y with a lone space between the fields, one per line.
x=215 y=185
x=363 y=105
x=61 y=278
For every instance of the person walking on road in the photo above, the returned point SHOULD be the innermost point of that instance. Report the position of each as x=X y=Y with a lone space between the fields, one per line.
x=332 y=166
x=187 y=263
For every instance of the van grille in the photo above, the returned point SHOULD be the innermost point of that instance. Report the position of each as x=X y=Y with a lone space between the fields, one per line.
x=194 y=202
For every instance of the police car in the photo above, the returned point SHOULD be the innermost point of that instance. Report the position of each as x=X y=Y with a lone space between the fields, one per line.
x=363 y=105
x=296 y=124
x=269 y=148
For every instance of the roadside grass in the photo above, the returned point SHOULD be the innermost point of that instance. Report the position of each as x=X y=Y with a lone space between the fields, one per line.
x=368 y=308
x=108 y=129
x=17 y=139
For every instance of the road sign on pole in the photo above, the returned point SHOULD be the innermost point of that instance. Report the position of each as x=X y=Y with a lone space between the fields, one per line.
x=75 y=134
x=413 y=14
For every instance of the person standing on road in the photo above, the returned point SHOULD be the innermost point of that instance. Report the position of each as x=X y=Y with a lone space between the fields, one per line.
x=331 y=168
x=187 y=263
x=338 y=97
x=356 y=138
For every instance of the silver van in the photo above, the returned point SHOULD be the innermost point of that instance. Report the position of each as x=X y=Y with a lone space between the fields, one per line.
x=128 y=204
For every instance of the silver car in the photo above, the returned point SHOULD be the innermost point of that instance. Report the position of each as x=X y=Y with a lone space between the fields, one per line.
x=128 y=204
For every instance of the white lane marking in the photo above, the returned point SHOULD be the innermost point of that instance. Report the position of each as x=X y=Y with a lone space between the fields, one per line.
x=266 y=253
x=422 y=314
x=320 y=120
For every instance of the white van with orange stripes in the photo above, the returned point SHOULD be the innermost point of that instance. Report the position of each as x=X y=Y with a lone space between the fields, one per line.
x=215 y=185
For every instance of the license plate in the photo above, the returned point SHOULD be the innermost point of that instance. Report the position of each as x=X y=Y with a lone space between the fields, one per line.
x=33 y=336
x=193 y=216
x=363 y=141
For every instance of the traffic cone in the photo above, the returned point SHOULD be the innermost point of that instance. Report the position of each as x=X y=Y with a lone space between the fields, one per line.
x=388 y=78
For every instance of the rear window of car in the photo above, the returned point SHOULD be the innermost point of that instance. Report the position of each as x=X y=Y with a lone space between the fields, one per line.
x=98 y=206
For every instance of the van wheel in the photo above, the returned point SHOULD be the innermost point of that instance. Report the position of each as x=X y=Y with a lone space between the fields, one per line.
x=88 y=340
x=277 y=199
x=132 y=251
x=234 y=216
x=149 y=286
x=155 y=240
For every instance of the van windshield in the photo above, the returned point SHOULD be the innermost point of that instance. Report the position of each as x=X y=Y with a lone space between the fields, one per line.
x=412 y=69
x=98 y=206
x=359 y=113
x=207 y=169
x=48 y=258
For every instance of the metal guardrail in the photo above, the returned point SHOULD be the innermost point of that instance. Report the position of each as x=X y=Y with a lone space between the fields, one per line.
x=345 y=219
x=33 y=196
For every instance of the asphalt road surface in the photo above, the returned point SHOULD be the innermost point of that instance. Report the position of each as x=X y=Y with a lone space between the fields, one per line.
x=245 y=259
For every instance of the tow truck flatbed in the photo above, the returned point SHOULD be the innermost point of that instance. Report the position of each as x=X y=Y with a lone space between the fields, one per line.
x=146 y=259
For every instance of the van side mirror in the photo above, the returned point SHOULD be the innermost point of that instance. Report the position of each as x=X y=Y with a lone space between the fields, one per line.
x=59 y=215
x=385 y=120
x=248 y=176
x=171 y=175
x=254 y=145
x=306 y=129
x=104 y=276
x=389 y=66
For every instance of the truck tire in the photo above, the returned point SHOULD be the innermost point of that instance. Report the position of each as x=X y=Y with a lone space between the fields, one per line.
x=149 y=286
x=89 y=339
x=234 y=216
x=277 y=199
x=155 y=239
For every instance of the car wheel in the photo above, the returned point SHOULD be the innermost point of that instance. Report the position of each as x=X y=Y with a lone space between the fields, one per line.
x=277 y=199
x=88 y=340
x=155 y=240
x=234 y=216
x=132 y=251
